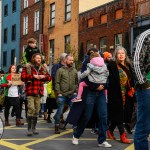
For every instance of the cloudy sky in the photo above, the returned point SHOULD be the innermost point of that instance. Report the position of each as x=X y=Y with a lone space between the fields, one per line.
x=89 y=4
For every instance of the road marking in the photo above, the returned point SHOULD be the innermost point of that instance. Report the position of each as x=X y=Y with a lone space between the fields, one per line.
x=47 y=138
x=26 y=128
x=131 y=147
x=13 y=146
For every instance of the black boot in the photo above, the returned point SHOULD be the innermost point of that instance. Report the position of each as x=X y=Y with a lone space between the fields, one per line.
x=29 y=120
x=34 y=122
x=128 y=129
x=49 y=119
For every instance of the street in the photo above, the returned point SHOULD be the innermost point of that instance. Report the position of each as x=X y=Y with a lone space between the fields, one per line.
x=15 y=138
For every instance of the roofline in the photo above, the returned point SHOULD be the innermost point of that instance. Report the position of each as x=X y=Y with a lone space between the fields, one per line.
x=98 y=7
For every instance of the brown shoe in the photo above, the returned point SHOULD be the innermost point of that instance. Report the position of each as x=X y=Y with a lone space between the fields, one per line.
x=57 y=129
x=18 y=122
x=7 y=123
x=45 y=115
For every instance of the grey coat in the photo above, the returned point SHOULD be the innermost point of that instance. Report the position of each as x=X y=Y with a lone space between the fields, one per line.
x=96 y=74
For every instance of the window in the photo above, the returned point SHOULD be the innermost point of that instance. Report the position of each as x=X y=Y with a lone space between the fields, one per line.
x=13 y=5
x=12 y=56
x=6 y=10
x=13 y=33
x=52 y=46
x=25 y=3
x=36 y=20
x=90 y=23
x=89 y=44
x=25 y=25
x=5 y=35
x=119 y=14
x=118 y=40
x=67 y=42
x=103 y=19
x=4 y=59
x=67 y=10
x=37 y=1
x=103 y=43
x=52 y=14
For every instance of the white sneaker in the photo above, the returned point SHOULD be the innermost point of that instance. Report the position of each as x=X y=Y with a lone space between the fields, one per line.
x=75 y=141
x=105 y=144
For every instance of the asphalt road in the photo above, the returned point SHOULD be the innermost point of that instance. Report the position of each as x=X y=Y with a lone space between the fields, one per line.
x=15 y=138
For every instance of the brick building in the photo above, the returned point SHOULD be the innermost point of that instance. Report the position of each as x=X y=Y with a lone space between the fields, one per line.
x=31 y=22
x=106 y=26
x=60 y=26
x=142 y=16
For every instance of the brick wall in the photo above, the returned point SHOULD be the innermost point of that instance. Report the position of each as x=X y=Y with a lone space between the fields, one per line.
x=109 y=29
x=61 y=27
x=32 y=7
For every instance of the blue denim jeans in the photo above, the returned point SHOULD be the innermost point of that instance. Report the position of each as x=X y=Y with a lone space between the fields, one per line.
x=61 y=101
x=99 y=99
x=142 y=129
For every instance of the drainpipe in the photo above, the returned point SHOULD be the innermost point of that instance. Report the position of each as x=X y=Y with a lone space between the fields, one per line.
x=131 y=36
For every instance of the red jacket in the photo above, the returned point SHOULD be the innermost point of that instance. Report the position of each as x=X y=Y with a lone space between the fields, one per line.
x=35 y=87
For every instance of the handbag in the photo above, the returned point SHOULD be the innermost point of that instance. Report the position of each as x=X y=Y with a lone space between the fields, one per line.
x=131 y=90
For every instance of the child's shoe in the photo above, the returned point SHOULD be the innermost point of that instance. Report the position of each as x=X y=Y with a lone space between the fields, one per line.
x=76 y=99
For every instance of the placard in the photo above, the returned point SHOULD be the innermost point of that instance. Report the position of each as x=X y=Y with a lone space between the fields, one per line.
x=16 y=79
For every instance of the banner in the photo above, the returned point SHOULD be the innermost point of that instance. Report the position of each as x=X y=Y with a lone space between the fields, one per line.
x=16 y=79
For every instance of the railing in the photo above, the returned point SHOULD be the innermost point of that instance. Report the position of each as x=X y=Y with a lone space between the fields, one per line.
x=143 y=8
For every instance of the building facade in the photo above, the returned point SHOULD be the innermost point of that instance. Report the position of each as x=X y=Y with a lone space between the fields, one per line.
x=31 y=23
x=10 y=33
x=142 y=16
x=0 y=32
x=60 y=27
x=106 y=26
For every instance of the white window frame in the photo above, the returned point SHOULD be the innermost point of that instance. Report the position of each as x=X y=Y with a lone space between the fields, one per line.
x=37 y=1
x=25 y=3
x=52 y=14
x=36 y=20
x=103 y=44
x=25 y=25
x=118 y=40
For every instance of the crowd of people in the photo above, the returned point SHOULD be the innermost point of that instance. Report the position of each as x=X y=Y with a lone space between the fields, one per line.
x=104 y=96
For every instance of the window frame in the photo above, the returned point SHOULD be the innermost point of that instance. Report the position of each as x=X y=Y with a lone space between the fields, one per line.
x=36 y=1
x=116 y=14
x=36 y=20
x=51 y=13
x=14 y=10
x=65 y=41
x=103 y=44
x=4 y=58
x=67 y=12
x=52 y=48
x=26 y=4
x=5 y=35
x=6 y=10
x=118 y=44
x=25 y=25
x=106 y=18
x=13 y=32
x=88 y=25
x=12 y=57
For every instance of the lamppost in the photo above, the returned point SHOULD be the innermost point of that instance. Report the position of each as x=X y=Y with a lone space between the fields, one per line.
x=50 y=61
x=131 y=35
